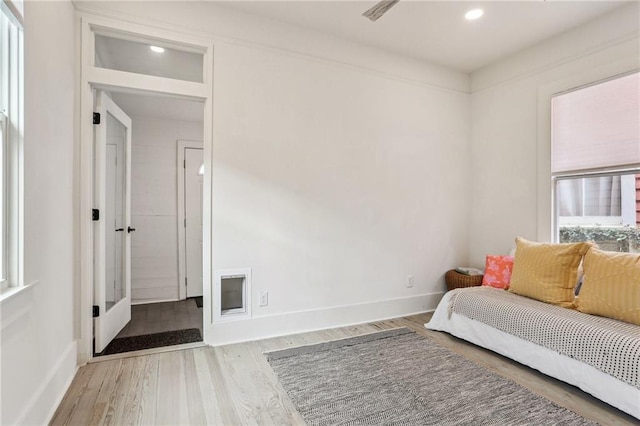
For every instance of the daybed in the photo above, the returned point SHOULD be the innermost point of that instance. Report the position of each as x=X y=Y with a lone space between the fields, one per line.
x=599 y=355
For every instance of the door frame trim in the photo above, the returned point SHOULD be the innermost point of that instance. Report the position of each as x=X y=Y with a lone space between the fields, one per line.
x=182 y=249
x=91 y=78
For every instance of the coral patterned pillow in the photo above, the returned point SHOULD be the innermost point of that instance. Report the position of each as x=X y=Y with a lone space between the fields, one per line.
x=497 y=272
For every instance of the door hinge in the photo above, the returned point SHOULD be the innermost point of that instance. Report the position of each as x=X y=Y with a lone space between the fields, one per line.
x=184 y=164
x=96 y=311
x=185 y=281
x=95 y=214
x=184 y=222
x=96 y=118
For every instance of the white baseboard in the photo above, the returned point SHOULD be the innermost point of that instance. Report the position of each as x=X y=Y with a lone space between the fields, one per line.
x=150 y=301
x=45 y=400
x=262 y=327
x=154 y=294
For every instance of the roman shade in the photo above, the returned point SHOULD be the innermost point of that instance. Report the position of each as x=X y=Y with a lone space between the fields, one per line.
x=597 y=126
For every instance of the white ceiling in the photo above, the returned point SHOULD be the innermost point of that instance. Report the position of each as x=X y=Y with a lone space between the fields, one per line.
x=159 y=106
x=436 y=31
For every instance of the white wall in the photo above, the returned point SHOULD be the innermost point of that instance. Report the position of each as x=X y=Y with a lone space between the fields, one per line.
x=510 y=110
x=154 y=209
x=338 y=170
x=333 y=184
x=37 y=342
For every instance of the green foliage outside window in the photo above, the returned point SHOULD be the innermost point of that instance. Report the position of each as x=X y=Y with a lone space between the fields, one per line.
x=621 y=239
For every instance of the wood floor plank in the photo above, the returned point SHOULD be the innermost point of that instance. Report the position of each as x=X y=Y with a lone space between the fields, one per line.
x=208 y=398
x=234 y=384
x=241 y=375
x=172 y=402
x=195 y=406
x=262 y=395
x=273 y=395
x=74 y=396
x=121 y=387
x=227 y=412
x=131 y=407
x=90 y=411
x=247 y=411
x=148 y=399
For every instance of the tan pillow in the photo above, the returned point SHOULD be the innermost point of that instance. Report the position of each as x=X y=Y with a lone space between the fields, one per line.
x=611 y=286
x=547 y=272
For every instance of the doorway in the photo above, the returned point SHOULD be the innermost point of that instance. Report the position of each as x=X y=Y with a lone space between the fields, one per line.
x=131 y=58
x=152 y=195
x=190 y=207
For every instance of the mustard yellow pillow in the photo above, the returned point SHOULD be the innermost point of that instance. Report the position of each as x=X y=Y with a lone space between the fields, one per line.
x=547 y=272
x=611 y=286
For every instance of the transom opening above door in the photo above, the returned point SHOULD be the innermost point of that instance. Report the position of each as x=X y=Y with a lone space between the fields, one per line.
x=149 y=57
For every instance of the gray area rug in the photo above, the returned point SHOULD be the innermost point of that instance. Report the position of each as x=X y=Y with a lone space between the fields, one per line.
x=399 y=377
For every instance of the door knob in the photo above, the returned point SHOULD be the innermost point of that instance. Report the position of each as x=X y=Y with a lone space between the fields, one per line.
x=130 y=229
x=119 y=229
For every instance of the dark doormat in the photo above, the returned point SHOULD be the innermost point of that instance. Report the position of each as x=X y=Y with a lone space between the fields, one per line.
x=148 y=341
x=198 y=301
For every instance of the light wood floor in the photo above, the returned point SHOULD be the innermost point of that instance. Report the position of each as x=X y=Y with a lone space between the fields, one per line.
x=234 y=385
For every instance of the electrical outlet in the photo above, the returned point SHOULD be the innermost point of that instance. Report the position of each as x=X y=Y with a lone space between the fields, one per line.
x=264 y=298
x=410 y=281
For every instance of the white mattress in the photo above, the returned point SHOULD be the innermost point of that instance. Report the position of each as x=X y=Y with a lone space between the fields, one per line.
x=601 y=385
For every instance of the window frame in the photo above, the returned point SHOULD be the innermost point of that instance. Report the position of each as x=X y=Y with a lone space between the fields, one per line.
x=4 y=230
x=616 y=170
x=11 y=151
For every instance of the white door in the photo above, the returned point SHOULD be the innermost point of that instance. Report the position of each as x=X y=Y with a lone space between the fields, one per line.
x=112 y=231
x=193 y=180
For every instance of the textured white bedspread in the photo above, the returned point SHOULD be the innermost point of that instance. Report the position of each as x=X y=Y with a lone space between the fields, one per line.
x=601 y=385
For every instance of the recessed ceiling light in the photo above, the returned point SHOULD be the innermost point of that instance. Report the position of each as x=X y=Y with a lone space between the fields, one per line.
x=157 y=49
x=473 y=14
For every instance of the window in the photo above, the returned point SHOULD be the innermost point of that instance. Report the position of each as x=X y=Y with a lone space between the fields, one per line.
x=3 y=215
x=11 y=131
x=606 y=200
x=596 y=164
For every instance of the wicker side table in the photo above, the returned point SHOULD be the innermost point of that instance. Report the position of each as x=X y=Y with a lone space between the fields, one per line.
x=455 y=279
